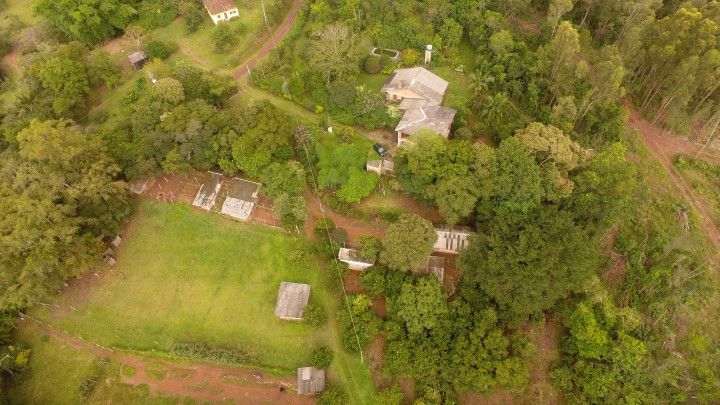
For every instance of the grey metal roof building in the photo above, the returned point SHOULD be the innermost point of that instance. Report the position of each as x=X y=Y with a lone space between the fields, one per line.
x=452 y=240
x=311 y=380
x=418 y=80
x=435 y=118
x=292 y=300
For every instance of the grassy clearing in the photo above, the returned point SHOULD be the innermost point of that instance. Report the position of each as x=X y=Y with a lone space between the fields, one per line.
x=195 y=276
x=22 y=9
x=58 y=370
x=198 y=46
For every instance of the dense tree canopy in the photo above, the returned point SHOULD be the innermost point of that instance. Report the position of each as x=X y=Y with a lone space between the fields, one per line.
x=526 y=263
x=407 y=243
x=58 y=193
x=89 y=21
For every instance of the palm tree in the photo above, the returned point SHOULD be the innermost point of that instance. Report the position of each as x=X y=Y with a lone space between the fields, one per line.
x=495 y=109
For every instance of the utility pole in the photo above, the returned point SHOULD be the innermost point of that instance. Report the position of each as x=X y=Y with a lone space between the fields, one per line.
x=265 y=15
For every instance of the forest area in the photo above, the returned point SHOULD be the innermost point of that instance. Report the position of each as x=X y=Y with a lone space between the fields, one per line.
x=572 y=219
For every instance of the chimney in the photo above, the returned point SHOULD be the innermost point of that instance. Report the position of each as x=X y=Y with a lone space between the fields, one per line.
x=428 y=54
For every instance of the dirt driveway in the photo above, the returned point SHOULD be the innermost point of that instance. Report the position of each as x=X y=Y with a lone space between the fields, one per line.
x=663 y=146
x=272 y=42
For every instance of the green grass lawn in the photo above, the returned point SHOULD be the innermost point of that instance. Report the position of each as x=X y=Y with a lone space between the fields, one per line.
x=199 y=48
x=23 y=9
x=197 y=276
x=58 y=370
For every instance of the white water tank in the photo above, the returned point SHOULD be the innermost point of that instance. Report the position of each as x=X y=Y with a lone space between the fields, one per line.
x=428 y=54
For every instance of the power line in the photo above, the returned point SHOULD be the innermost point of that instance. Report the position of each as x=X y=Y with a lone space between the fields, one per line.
x=327 y=233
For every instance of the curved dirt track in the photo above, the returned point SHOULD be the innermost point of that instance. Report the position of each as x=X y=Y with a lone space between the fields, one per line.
x=663 y=146
x=200 y=381
x=272 y=42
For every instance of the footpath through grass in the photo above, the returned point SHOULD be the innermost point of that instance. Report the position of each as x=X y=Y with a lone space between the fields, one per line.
x=193 y=276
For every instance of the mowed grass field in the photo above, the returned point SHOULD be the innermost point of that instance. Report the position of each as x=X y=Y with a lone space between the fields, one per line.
x=196 y=277
x=192 y=276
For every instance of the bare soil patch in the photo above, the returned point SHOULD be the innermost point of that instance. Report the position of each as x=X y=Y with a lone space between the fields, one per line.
x=354 y=227
x=352 y=282
x=12 y=60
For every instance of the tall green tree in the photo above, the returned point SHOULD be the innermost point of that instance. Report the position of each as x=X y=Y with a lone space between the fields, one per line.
x=89 y=21
x=526 y=263
x=58 y=194
x=407 y=243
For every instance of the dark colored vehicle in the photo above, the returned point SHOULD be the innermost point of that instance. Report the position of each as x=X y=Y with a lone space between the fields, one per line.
x=380 y=150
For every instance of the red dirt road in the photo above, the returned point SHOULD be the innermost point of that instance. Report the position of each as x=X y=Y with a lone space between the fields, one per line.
x=663 y=146
x=200 y=381
x=272 y=42
x=354 y=227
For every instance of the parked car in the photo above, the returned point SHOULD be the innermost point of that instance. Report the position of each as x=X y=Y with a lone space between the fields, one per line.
x=380 y=150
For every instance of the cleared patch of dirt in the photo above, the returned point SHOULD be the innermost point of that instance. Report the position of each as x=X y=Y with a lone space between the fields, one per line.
x=354 y=227
x=12 y=61
x=200 y=381
x=352 y=282
x=374 y=355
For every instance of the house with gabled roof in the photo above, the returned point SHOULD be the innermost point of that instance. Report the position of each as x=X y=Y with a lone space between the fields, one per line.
x=221 y=10
x=420 y=93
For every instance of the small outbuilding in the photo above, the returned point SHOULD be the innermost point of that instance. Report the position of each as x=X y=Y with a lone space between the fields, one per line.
x=381 y=167
x=208 y=192
x=311 y=381
x=221 y=10
x=239 y=198
x=354 y=259
x=452 y=240
x=138 y=59
x=292 y=300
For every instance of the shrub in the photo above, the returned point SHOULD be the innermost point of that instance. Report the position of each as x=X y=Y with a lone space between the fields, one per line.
x=369 y=247
x=159 y=49
x=372 y=65
x=360 y=184
x=87 y=385
x=333 y=396
x=340 y=236
x=314 y=315
x=410 y=57
x=203 y=351
x=223 y=37
x=390 y=396
x=193 y=16
x=156 y=13
x=390 y=214
x=321 y=358
x=324 y=226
